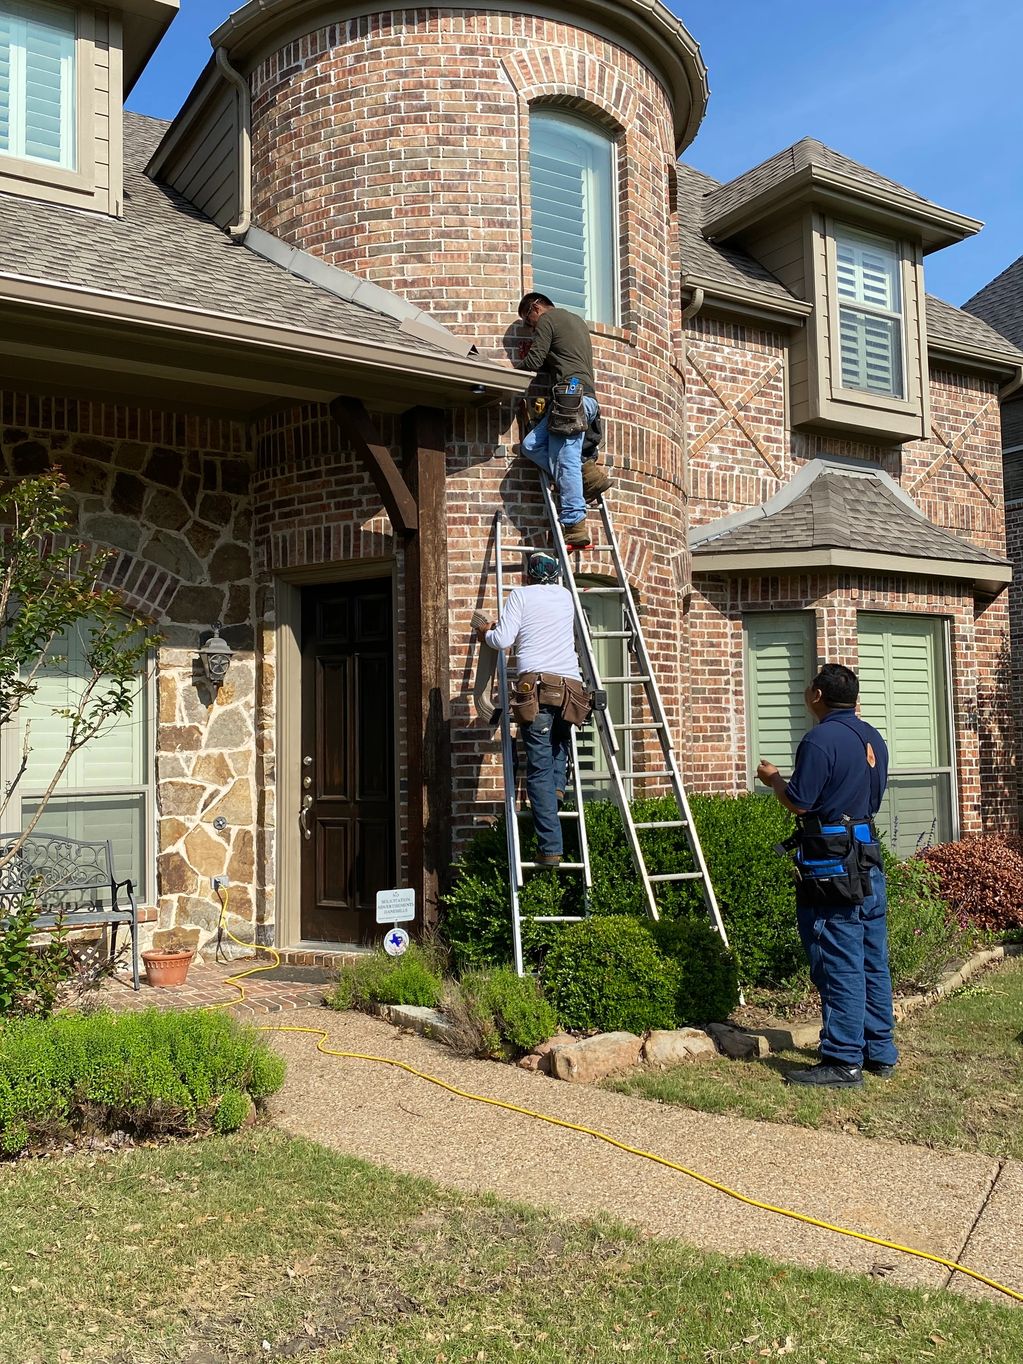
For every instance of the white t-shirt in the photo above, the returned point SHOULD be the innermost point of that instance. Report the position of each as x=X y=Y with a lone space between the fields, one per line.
x=539 y=620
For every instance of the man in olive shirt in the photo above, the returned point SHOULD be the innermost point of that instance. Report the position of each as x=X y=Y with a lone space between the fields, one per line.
x=561 y=346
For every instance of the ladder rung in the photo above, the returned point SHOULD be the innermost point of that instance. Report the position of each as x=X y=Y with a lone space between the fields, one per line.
x=552 y=866
x=641 y=680
x=665 y=824
x=629 y=776
x=610 y=634
x=679 y=876
x=600 y=591
x=597 y=549
x=553 y=918
x=562 y=814
x=648 y=724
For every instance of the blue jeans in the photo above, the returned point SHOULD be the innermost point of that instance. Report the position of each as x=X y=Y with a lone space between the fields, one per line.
x=848 y=951
x=547 y=740
x=561 y=458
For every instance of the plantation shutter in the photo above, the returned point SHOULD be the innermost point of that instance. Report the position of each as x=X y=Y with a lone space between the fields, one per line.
x=37 y=83
x=573 y=214
x=870 y=314
x=781 y=651
x=903 y=693
x=604 y=613
x=104 y=792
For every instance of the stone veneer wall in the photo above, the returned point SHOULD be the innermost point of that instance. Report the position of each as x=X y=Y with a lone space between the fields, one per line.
x=169 y=493
x=741 y=459
x=396 y=145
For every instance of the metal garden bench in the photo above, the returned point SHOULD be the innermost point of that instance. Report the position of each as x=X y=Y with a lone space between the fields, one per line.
x=74 y=884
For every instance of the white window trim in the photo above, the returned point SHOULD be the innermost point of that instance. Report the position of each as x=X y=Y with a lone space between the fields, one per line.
x=615 y=267
x=845 y=231
x=68 y=184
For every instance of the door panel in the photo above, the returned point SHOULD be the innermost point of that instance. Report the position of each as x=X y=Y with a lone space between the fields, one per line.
x=781 y=648
x=348 y=759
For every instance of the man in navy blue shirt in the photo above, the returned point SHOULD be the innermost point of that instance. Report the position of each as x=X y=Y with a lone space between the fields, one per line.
x=839 y=779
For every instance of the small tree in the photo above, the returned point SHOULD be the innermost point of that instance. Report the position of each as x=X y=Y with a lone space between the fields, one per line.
x=50 y=585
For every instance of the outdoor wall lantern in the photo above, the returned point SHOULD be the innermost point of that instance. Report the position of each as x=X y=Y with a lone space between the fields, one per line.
x=215 y=656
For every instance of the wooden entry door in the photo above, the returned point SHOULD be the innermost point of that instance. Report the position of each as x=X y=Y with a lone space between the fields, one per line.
x=348 y=813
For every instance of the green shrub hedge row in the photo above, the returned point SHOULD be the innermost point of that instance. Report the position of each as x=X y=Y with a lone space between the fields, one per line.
x=147 y=1073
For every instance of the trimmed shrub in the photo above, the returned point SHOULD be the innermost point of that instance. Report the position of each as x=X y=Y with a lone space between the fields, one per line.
x=752 y=882
x=377 y=978
x=499 y=1013
x=981 y=879
x=148 y=1073
x=708 y=980
x=923 y=933
x=607 y=974
x=31 y=977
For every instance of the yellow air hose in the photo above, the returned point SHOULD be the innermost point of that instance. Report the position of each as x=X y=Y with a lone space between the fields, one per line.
x=324 y=1037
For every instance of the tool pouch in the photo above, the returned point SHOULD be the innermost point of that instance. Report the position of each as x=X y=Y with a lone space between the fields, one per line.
x=566 y=415
x=833 y=863
x=578 y=704
x=524 y=704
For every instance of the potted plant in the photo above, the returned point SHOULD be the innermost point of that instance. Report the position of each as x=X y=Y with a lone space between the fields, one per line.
x=168 y=963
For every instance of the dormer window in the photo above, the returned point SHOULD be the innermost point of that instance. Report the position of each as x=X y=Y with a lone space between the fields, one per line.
x=37 y=83
x=870 y=307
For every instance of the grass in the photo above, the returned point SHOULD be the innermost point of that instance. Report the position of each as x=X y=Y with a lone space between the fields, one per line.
x=258 y=1247
x=959 y=1084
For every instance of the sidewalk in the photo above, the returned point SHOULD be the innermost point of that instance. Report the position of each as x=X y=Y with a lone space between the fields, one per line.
x=963 y=1207
x=206 y=984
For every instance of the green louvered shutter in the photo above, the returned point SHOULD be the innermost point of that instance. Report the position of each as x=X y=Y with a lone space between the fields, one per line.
x=904 y=694
x=574 y=214
x=604 y=614
x=37 y=82
x=781 y=650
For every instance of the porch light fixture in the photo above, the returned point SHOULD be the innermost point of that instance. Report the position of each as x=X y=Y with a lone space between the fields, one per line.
x=216 y=655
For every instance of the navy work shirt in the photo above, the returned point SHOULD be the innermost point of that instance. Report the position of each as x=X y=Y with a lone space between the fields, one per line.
x=832 y=777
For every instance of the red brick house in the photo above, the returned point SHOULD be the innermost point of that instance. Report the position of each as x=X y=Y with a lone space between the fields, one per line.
x=270 y=345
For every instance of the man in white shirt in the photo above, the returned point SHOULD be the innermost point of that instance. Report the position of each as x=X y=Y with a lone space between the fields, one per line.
x=539 y=622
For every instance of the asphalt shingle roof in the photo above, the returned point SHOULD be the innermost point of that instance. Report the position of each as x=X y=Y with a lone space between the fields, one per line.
x=708 y=261
x=165 y=251
x=799 y=157
x=1000 y=303
x=957 y=327
x=843 y=511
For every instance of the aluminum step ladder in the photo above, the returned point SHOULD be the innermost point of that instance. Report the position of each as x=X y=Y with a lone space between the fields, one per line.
x=512 y=558
x=644 y=712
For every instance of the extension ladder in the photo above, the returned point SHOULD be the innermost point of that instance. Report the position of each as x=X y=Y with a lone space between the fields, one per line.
x=644 y=714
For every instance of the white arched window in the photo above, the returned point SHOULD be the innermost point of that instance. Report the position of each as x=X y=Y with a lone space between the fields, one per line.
x=573 y=189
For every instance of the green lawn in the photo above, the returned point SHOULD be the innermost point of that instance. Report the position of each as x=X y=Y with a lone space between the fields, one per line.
x=258 y=1247
x=959 y=1083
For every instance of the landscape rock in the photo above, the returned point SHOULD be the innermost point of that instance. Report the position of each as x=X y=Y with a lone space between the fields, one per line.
x=560 y=1039
x=596 y=1057
x=677 y=1046
x=530 y=1062
x=739 y=1044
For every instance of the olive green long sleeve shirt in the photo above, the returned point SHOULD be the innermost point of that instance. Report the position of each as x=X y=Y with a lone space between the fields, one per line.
x=562 y=347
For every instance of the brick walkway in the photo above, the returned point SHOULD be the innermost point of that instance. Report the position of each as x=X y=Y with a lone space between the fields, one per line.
x=207 y=985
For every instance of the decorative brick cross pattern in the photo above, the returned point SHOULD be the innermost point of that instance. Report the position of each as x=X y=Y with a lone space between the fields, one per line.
x=733 y=410
x=954 y=450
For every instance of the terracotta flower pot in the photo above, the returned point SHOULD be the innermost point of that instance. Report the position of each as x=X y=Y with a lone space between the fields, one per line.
x=167 y=968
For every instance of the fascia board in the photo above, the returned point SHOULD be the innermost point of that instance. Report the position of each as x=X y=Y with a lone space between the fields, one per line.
x=813 y=183
x=988 y=576
x=997 y=362
x=208 y=83
x=81 y=303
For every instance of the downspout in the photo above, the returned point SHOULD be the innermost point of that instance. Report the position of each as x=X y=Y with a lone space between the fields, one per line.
x=239 y=229
x=693 y=306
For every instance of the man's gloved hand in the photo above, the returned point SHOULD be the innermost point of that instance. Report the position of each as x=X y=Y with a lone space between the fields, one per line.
x=524 y=348
x=481 y=623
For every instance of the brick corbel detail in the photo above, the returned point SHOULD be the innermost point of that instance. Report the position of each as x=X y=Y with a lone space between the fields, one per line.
x=954 y=450
x=733 y=410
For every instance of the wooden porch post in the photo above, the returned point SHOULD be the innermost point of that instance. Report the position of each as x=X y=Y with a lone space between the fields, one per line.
x=427 y=661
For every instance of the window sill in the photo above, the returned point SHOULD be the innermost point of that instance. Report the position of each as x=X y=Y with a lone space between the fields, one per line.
x=612 y=333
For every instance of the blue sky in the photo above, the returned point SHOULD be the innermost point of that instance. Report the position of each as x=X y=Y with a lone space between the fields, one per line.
x=927 y=92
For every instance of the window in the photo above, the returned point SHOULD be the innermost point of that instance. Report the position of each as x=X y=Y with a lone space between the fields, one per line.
x=869 y=313
x=37 y=82
x=904 y=694
x=106 y=791
x=781 y=654
x=575 y=221
x=606 y=619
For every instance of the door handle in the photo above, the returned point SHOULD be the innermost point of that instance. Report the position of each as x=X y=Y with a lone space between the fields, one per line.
x=306 y=802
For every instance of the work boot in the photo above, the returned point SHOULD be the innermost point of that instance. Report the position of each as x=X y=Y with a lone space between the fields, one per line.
x=833 y=1074
x=882 y=1069
x=595 y=481
x=549 y=859
x=577 y=536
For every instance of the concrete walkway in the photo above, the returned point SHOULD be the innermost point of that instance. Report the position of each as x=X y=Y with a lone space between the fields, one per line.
x=962 y=1207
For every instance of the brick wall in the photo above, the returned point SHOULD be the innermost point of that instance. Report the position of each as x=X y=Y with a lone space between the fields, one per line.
x=741 y=453
x=395 y=145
